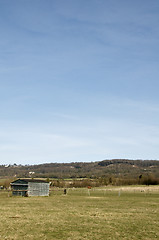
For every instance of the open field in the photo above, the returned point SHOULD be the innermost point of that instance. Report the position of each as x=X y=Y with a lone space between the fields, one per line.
x=99 y=213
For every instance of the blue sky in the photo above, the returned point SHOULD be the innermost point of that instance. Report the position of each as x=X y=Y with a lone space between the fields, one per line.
x=79 y=80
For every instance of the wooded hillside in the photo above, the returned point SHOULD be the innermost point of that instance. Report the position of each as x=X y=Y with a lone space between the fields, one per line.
x=122 y=168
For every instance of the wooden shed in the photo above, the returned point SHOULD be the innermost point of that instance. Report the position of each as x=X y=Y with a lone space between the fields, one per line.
x=30 y=187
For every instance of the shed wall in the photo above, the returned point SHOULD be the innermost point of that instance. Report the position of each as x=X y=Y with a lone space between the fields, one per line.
x=38 y=189
x=19 y=190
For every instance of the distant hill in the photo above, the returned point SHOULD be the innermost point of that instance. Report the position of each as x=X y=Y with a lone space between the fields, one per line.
x=119 y=168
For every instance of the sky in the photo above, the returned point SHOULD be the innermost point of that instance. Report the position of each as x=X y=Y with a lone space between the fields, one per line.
x=79 y=80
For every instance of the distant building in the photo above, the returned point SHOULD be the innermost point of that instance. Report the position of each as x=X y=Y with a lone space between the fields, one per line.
x=7 y=165
x=30 y=187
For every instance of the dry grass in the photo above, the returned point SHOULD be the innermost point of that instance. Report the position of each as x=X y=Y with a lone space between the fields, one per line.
x=97 y=214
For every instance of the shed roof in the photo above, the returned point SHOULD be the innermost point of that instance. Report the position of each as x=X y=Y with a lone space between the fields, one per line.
x=25 y=181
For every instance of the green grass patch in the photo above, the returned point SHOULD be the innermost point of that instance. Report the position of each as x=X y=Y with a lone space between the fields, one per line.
x=100 y=213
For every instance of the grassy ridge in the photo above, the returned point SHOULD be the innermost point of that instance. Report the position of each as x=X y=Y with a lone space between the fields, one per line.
x=99 y=213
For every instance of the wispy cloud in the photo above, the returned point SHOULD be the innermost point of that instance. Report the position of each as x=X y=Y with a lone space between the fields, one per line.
x=77 y=141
